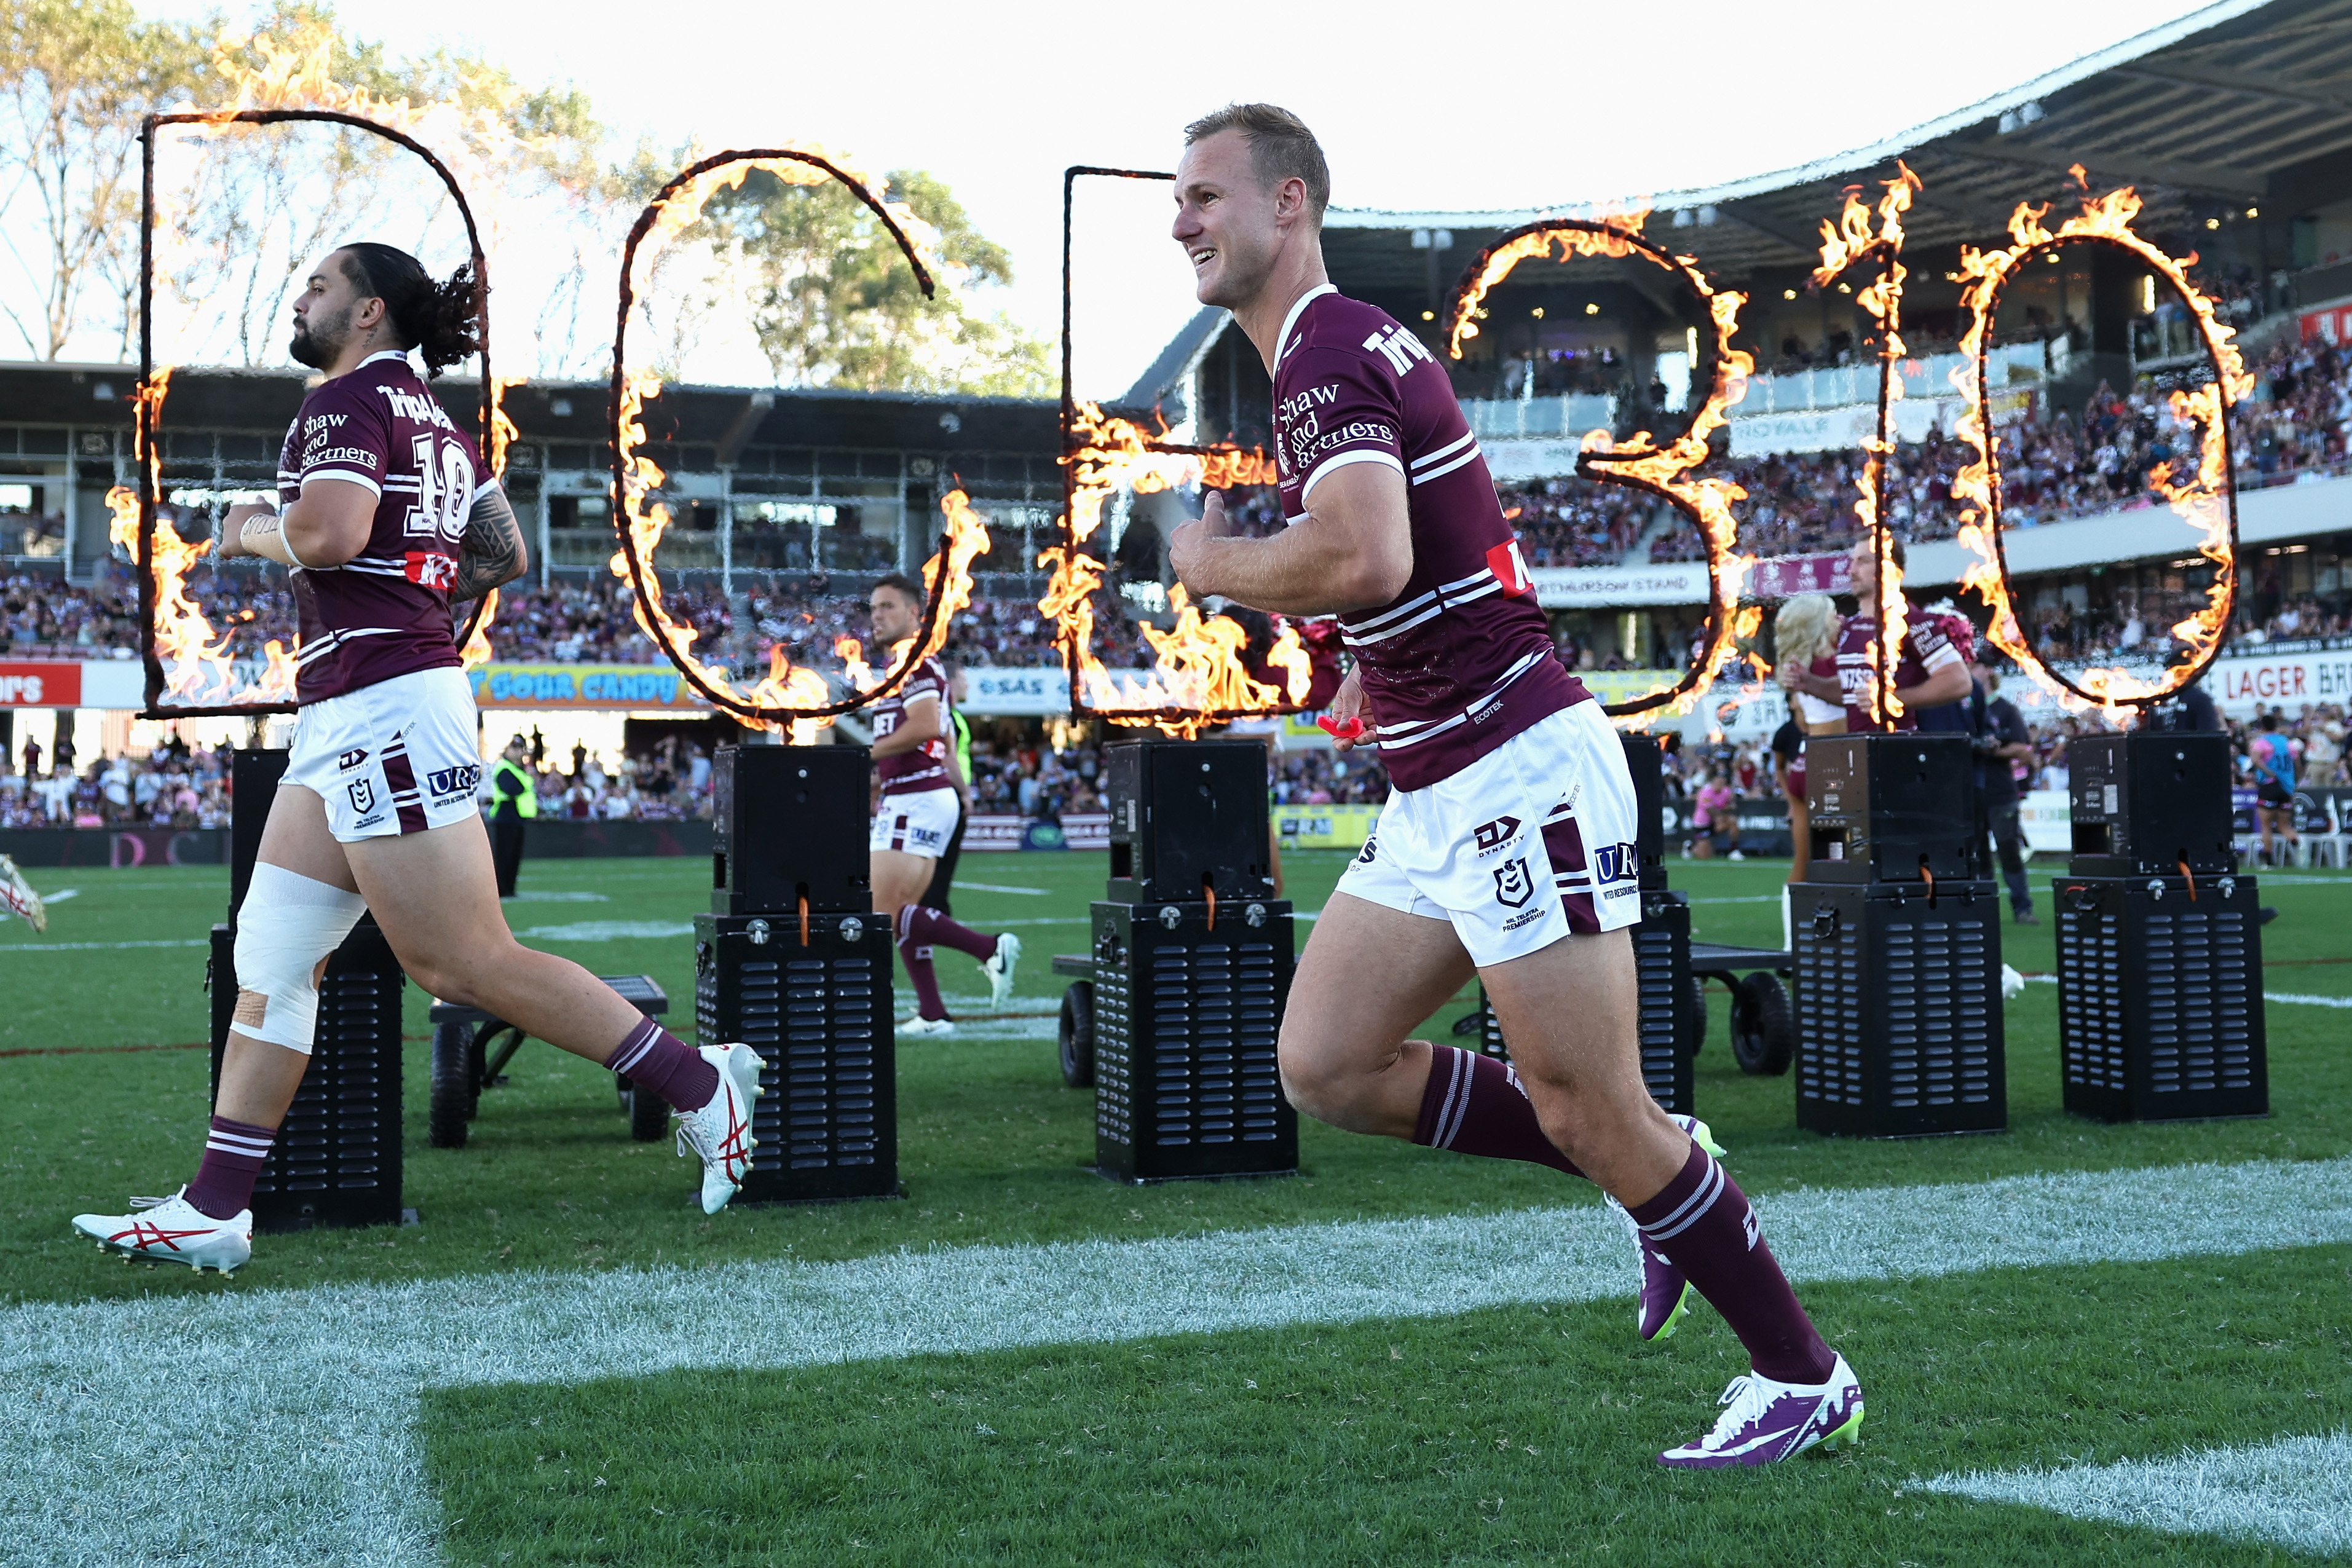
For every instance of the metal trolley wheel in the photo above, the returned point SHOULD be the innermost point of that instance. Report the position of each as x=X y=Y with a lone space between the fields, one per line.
x=1695 y=1013
x=1763 y=1025
x=1078 y=1035
x=455 y=1056
x=648 y=1112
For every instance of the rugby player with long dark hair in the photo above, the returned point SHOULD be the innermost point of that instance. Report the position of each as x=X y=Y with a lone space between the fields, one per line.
x=382 y=524
x=1508 y=845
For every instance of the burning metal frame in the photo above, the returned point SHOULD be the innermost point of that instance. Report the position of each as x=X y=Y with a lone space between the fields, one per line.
x=2206 y=496
x=789 y=695
x=1663 y=471
x=1850 y=240
x=146 y=446
x=1201 y=654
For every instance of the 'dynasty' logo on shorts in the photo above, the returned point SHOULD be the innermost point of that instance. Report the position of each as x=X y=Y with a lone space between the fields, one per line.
x=1494 y=835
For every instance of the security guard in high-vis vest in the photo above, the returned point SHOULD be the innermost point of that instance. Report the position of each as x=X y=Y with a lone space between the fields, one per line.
x=515 y=800
x=959 y=748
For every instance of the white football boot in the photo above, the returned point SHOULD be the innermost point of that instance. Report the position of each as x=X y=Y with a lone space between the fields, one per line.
x=720 y=1132
x=1000 y=968
x=917 y=1026
x=173 y=1231
x=1764 y=1422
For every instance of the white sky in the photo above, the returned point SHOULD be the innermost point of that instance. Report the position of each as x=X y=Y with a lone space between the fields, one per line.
x=1524 y=105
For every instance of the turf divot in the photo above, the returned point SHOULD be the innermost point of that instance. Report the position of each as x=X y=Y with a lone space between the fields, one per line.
x=283 y=1421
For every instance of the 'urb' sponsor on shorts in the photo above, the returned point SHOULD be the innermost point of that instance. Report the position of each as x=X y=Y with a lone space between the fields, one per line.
x=448 y=781
x=1615 y=863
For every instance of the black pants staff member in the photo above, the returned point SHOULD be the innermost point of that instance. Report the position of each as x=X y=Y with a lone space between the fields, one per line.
x=515 y=801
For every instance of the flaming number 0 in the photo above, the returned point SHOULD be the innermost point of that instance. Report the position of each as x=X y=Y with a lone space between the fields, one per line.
x=2205 y=496
x=789 y=695
x=198 y=661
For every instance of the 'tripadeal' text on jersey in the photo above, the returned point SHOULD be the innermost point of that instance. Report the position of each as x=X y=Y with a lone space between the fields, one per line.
x=924 y=768
x=385 y=612
x=1462 y=659
x=1926 y=648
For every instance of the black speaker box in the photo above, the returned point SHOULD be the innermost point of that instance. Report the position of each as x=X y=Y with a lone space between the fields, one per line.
x=2150 y=804
x=1187 y=816
x=1898 y=1008
x=337 y=1158
x=1891 y=808
x=2160 y=997
x=818 y=1012
x=788 y=824
x=1646 y=764
x=1188 y=1005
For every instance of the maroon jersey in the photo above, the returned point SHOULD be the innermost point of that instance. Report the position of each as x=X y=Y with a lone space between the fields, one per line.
x=1926 y=649
x=1461 y=660
x=385 y=612
x=926 y=767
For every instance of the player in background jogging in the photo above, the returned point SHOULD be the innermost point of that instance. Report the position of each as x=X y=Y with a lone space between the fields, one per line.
x=1508 y=845
x=383 y=523
x=921 y=806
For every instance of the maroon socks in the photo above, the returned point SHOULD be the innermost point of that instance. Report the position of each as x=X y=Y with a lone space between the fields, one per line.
x=655 y=1058
x=233 y=1155
x=922 y=927
x=919 y=929
x=1702 y=1224
x=1474 y=1105
x=924 y=978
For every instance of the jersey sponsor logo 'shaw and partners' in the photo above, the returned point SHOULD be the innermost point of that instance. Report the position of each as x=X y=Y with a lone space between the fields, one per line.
x=1491 y=836
x=1514 y=884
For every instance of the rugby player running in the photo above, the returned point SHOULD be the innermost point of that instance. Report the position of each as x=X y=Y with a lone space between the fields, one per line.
x=382 y=522
x=1506 y=847
x=916 y=816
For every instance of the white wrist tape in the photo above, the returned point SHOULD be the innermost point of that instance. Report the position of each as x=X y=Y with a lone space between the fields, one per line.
x=286 y=926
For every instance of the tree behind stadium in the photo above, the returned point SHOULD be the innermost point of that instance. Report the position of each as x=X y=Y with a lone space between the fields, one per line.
x=834 y=304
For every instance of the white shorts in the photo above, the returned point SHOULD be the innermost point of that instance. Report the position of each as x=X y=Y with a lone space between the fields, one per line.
x=917 y=824
x=399 y=757
x=1534 y=842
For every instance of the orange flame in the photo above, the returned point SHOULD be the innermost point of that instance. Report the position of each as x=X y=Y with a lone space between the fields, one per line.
x=477 y=651
x=1198 y=666
x=1850 y=239
x=2200 y=495
x=785 y=684
x=1669 y=470
x=199 y=667
x=1620 y=227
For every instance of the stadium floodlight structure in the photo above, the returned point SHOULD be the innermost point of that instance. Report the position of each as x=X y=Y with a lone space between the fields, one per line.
x=788 y=696
x=184 y=636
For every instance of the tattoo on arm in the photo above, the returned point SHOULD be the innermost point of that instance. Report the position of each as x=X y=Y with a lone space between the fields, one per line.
x=492 y=553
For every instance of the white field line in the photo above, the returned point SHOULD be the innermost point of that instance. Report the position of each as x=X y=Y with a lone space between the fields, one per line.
x=998 y=887
x=279 y=1425
x=608 y=931
x=100 y=946
x=2298 y=998
x=551 y=897
x=2296 y=1493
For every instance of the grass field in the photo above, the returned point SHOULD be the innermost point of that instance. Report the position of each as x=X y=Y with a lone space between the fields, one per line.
x=1510 y=1424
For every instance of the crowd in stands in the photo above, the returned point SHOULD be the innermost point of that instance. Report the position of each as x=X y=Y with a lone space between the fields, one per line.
x=176 y=786
x=1576 y=521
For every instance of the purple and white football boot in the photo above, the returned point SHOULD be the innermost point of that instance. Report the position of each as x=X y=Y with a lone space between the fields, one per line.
x=1666 y=1294
x=1765 y=1422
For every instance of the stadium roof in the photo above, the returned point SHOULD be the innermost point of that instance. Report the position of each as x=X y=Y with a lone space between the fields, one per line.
x=2242 y=103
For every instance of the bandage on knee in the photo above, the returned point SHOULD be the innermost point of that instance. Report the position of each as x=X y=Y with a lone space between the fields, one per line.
x=286 y=929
